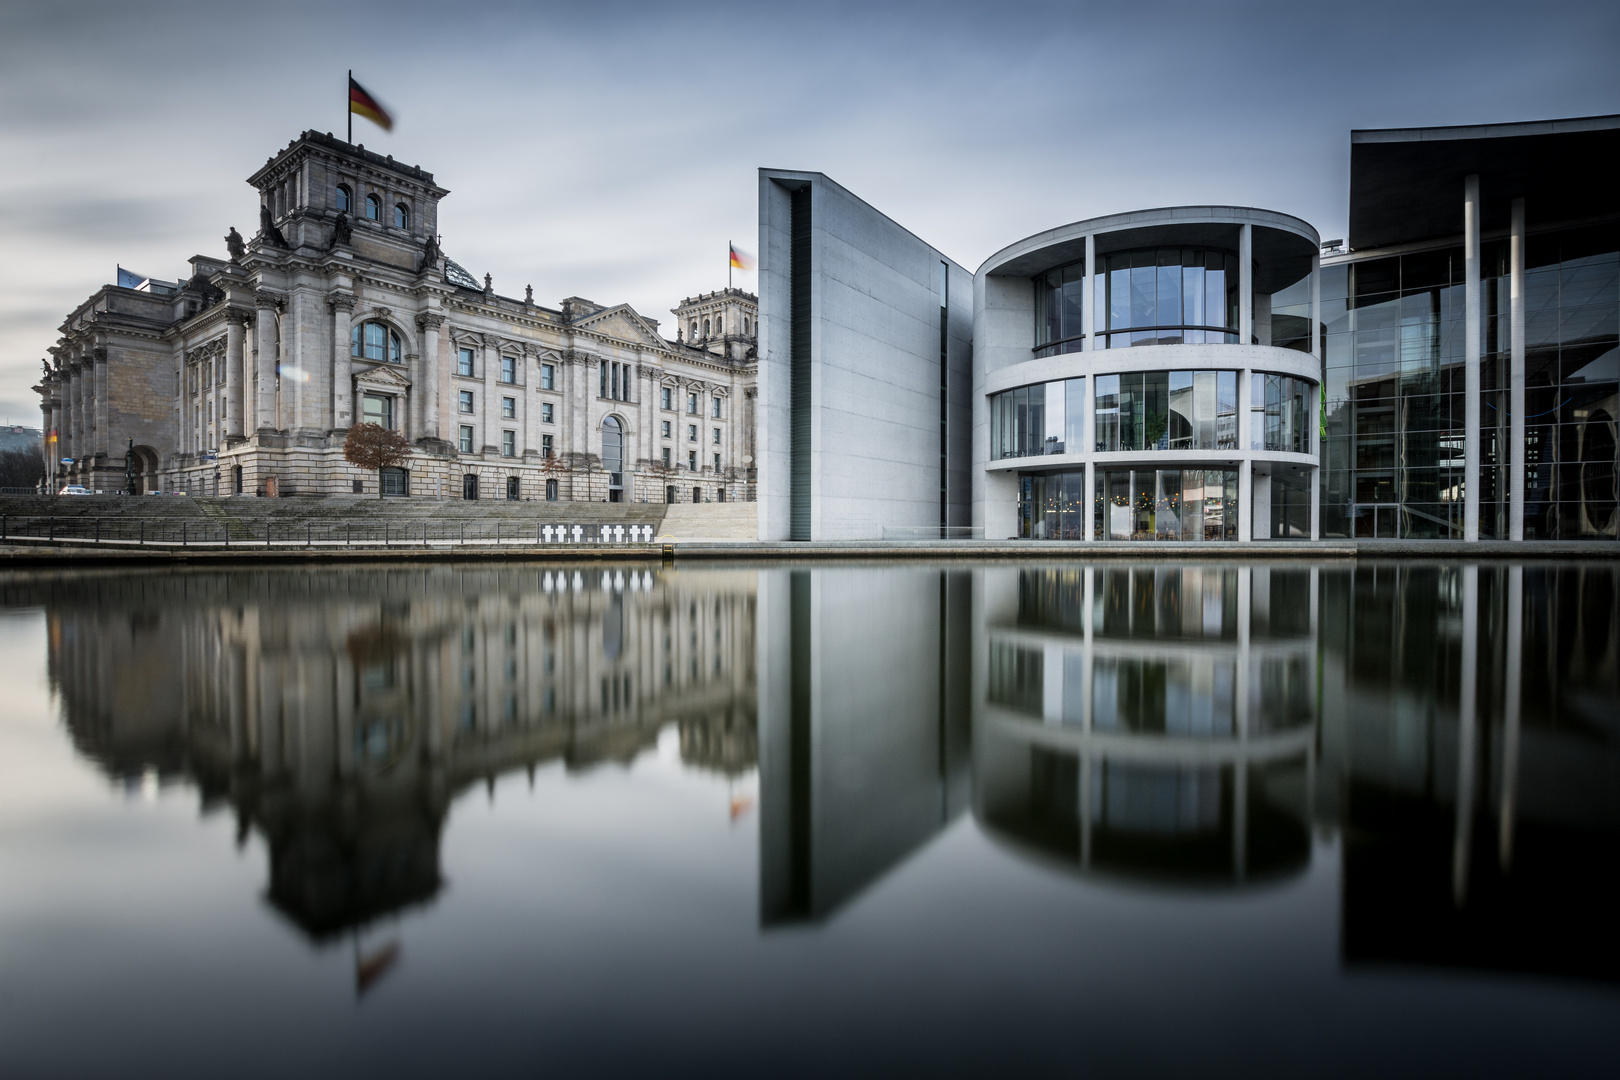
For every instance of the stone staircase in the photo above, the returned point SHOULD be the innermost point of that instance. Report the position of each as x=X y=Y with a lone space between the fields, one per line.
x=712 y=521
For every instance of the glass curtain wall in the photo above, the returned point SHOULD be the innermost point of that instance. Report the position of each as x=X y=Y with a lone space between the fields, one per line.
x=1060 y=310
x=1393 y=452
x=1167 y=296
x=1052 y=506
x=1280 y=413
x=1166 y=504
x=1167 y=410
x=1046 y=418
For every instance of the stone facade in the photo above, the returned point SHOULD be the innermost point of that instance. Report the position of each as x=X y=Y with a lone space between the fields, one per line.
x=247 y=375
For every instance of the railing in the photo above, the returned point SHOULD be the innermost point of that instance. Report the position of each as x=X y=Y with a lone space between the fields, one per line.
x=143 y=532
x=933 y=532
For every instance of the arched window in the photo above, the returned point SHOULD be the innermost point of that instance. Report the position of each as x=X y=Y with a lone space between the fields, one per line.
x=375 y=341
x=693 y=334
x=373 y=208
x=705 y=327
x=402 y=217
x=612 y=447
x=745 y=326
x=345 y=199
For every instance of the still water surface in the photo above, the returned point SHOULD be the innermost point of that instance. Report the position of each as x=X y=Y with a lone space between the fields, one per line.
x=1129 y=819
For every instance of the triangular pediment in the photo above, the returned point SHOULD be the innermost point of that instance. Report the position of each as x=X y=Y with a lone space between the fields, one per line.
x=383 y=377
x=623 y=323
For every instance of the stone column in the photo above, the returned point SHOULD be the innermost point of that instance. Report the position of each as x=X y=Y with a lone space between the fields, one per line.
x=1246 y=284
x=341 y=305
x=488 y=410
x=269 y=357
x=1518 y=433
x=52 y=410
x=1471 y=349
x=427 y=386
x=103 y=392
x=231 y=422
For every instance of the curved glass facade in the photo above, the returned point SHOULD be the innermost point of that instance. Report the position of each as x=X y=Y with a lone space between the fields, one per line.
x=1167 y=410
x=1130 y=504
x=1046 y=418
x=1167 y=296
x=1060 y=307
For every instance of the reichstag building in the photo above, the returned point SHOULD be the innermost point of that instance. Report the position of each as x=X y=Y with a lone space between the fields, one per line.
x=246 y=376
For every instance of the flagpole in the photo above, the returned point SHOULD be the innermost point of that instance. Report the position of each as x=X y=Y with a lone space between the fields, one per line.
x=349 y=109
x=728 y=265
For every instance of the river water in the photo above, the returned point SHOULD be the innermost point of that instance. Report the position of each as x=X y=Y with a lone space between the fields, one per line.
x=1124 y=819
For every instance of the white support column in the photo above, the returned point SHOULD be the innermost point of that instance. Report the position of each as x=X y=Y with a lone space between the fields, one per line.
x=1471 y=350
x=1088 y=437
x=1245 y=467
x=1088 y=302
x=1317 y=405
x=1518 y=428
x=1246 y=284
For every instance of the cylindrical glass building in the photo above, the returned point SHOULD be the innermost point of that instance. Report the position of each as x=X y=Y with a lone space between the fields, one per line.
x=1150 y=376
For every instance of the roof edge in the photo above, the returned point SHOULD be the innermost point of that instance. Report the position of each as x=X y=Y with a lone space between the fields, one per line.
x=1564 y=126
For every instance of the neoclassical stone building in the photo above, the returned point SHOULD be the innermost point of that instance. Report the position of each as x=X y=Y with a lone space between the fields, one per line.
x=246 y=376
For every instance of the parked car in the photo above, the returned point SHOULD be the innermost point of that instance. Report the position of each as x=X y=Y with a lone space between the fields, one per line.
x=74 y=489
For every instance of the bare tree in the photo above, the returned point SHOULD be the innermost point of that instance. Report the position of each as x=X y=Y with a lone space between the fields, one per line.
x=21 y=468
x=374 y=447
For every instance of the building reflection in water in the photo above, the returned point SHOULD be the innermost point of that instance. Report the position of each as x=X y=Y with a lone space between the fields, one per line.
x=1152 y=721
x=1447 y=732
x=339 y=712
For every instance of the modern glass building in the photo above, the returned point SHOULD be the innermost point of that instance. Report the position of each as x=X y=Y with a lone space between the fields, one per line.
x=1150 y=376
x=1215 y=373
x=1470 y=336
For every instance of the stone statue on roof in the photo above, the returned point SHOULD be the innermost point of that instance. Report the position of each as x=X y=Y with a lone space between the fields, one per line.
x=234 y=245
x=268 y=230
x=342 y=231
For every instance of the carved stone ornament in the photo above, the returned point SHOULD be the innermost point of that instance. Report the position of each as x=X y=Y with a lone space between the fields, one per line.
x=429 y=321
x=491 y=340
x=341 y=301
x=342 y=231
x=269 y=298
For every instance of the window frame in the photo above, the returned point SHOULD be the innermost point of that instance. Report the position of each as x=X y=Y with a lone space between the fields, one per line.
x=465 y=403
x=466 y=438
x=547 y=413
x=508 y=443
x=548 y=377
x=466 y=362
x=402 y=216
x=509 y=369
x=344 y=199
x=373 y=208
x=508 y=408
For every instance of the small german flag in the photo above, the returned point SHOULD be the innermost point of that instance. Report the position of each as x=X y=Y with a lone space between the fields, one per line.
x=360 y=101
x=741 y=259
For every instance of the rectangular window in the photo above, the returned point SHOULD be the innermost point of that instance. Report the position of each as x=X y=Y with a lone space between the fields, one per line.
x=602 y=379
x=466 y=439
x=464 y=362
x=668 y=396
x=378 y=410
x=509 y=444
x=548 y=376
x=717 y=408
x=614 y=383
x=691 y=460
x=666 y=457
x=666 y=429
x=466 y=401
x=545 y=412
x=716 y=436
x=509 y=407
x=508 y=369
x=717 y=463
x=545 y=446
x=691 y=404
x=691 y=433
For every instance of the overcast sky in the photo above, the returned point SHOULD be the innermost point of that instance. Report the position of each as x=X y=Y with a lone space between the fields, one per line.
x=608 y=150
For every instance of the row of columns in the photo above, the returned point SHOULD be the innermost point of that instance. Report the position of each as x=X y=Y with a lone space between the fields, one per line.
x=1473 y=303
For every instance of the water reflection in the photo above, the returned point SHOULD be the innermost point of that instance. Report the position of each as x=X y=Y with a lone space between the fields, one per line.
x=339 y=713
x=1447 y=734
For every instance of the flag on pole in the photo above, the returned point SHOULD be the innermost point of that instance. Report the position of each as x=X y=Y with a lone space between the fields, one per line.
x=740 y=259
x=360 y=101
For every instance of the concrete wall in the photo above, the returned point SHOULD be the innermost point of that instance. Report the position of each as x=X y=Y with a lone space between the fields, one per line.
x=875 y=383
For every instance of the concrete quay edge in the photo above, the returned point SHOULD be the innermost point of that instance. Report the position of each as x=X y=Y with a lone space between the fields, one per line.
x=719 y=550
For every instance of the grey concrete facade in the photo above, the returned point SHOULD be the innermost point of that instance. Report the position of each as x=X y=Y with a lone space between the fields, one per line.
x=880 y=390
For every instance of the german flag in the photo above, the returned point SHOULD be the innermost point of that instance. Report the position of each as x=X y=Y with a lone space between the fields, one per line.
x=741 y=259
x=367 y=106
